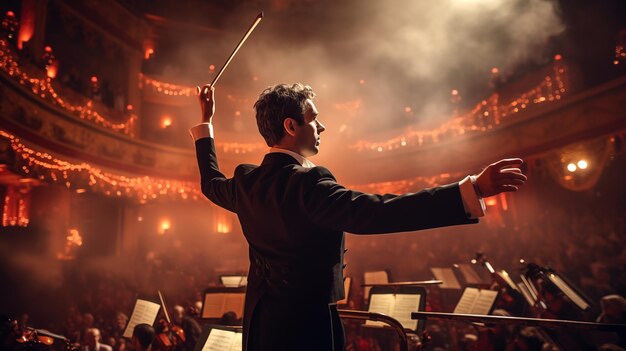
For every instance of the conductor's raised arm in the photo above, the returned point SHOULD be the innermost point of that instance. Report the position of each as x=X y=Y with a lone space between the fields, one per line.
x=215 y=186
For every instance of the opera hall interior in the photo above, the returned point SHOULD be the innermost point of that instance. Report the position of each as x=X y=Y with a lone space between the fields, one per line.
x=108 y=242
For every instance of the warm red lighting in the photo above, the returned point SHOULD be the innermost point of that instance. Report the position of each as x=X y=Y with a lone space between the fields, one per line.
x=52 y=70
x=166 y=121
x=149 y=52
x=10 y=14
x=80 y=191
x=455 y=92
x=495 y=70
x=558 y=57
x=94 y=79
x=407 y=109
x=505 y=204
x=212 y=68
x=27 y=26
x=16 y=207
x=129 y=107
x=362 y=81
x=164 y=226
x=582 y=164
x=571 y=167
x=491 y=201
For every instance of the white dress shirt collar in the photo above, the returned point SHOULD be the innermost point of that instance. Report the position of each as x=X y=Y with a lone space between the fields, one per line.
x=304 y=162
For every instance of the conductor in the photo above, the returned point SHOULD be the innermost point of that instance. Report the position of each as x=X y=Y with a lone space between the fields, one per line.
x=294 y=214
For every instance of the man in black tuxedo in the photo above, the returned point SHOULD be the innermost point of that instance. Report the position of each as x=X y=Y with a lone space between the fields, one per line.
x=294 y=214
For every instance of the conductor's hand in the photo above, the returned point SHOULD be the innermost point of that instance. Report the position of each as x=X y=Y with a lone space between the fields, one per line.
x=502 y=176
x=206 y=95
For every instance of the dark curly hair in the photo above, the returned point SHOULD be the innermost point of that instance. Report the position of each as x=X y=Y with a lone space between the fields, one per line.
x=277 y=103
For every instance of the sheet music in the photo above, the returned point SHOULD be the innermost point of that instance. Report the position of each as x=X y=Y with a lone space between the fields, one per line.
x=144 y=312
x=237 y=342
x=467 y=300
x=234 y=302
x=483 y=303
x=476 y=301
x=398 y=306
x=446 y=275
x=469 y=274
x=527 y=295
x=380 y=303
x=568 y=291
x=234 y=281
x=404 y=305
x=219 y=340
x=507 y=278
x=213 y=305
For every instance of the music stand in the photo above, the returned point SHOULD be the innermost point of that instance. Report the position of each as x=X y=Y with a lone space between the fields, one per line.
x=217 y=301
x=227 y=332
x=402 y=310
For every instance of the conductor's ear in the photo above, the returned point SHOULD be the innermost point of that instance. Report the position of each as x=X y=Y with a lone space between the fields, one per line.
x=289 y=125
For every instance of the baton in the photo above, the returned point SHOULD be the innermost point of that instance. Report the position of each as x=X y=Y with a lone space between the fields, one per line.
x=258 y=19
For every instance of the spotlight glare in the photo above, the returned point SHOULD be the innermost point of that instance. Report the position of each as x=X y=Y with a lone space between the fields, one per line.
x=571 y=167
x=582 y=164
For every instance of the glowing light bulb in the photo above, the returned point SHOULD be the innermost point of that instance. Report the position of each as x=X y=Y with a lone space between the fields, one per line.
x=166 y=121
x=582 y=164
x=571 y=167
x=164 y=226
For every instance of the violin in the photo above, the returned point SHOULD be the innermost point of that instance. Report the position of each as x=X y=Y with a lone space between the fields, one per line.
x=31 y=338
x=170 y=336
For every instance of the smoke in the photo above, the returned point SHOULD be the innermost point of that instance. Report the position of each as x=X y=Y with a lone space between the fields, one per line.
x=386 y=58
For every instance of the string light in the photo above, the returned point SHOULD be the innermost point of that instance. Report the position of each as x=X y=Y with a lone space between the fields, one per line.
x=484 y=116
x=16 y=207
x=42 y=88
x=166 y=88
x=55 y=170
x=406 y=185
x=620 y=55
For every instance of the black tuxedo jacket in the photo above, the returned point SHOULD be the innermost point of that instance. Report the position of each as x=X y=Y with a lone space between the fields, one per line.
x=294 y=220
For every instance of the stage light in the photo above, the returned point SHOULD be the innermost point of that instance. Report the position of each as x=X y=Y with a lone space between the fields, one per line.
x=557 y=57
x=80 y=191
x=582 y=164
x=571 y=167
x=94 y=79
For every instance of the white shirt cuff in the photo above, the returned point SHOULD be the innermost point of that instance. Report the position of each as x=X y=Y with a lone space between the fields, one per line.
x=202 y=130
x=474 y=205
